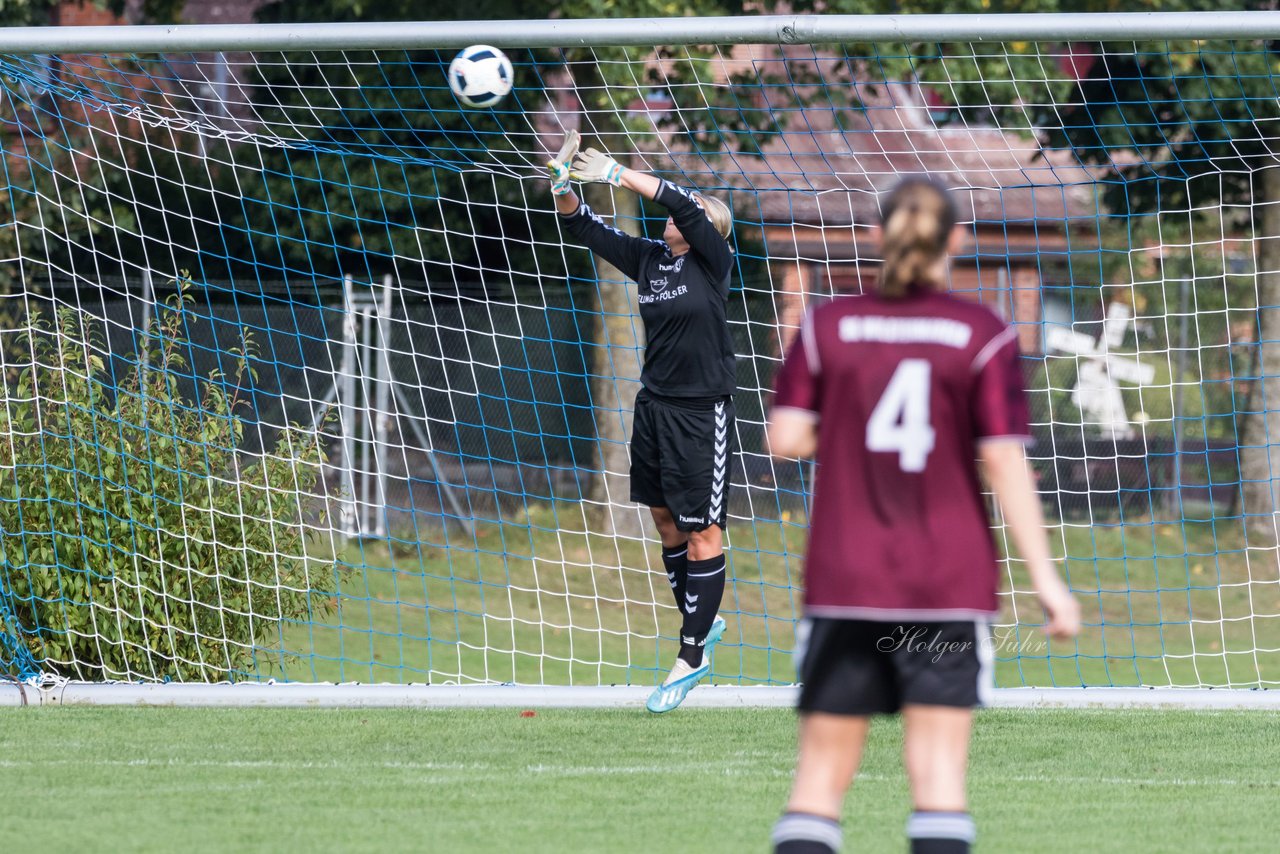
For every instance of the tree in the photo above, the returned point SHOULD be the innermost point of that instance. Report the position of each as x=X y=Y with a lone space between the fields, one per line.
x=369 y=176
x=26 y=13
x=1178 y=126
x=517 y=240
x=1190 y=114
x=1173 y=125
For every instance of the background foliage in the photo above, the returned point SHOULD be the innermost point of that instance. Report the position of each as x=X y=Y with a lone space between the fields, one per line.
x=135 y=540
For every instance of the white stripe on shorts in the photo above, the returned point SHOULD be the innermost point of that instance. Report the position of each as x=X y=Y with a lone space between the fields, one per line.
x=986 y=661
x=804 y=628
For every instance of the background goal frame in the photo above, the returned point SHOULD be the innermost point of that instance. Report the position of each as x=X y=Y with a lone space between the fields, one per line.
x=769 y=29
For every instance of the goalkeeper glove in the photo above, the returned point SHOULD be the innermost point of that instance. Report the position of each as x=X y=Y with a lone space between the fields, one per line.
x=597 y=167
x=558 y=166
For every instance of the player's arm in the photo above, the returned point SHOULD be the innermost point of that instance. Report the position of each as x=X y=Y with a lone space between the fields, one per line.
x=689 y=217
x=793 y=418
x=793 y=434
x=1004 y=464
x=696 y=228
x=1002 y=425
x=622 y=250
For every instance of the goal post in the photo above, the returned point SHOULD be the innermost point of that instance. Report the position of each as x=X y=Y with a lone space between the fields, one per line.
x=305 y=387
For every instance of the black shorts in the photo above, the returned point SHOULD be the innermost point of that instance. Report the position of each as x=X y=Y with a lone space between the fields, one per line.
x=680 y=459
x=865 y=667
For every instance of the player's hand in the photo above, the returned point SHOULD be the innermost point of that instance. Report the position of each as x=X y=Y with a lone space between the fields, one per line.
x=558 y=166
x=1062 y=609
x=596 y=167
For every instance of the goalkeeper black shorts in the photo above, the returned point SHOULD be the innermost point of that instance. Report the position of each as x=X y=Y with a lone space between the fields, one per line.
x=868 y=667
x=680 y=454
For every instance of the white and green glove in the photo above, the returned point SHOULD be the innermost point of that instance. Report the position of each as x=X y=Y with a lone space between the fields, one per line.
x=558 y=166
x=596 y=167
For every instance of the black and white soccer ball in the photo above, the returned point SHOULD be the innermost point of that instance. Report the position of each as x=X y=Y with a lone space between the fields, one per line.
x=480 y=76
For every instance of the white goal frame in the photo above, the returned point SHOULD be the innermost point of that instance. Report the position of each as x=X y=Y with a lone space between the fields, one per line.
x=766 y=29
x=387 y=696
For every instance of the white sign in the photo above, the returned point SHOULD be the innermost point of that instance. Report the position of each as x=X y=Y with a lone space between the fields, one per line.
x=1097 y=391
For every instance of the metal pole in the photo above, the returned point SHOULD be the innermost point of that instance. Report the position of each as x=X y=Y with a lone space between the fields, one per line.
x=764 y=29
x=147 y=298
x=346 y=407
x=1179 y=372
x=323 y=408
x=445 y=486
x=366 y=422
x=222 y=82
x=382 y=395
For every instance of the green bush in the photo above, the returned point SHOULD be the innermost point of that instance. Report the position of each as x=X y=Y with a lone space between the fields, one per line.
x=136 y=541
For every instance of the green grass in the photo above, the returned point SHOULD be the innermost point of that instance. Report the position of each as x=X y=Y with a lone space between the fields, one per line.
x=153 y=779
x=536 y=599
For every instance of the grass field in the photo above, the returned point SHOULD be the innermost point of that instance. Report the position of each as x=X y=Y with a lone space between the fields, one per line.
x=538 y=600
x=166 y=780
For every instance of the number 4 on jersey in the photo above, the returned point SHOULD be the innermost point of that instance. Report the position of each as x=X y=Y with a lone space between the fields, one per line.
x=900 y=421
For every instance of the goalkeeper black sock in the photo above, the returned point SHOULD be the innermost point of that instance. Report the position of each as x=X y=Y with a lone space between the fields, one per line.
x=802 y=833
x=676 y=559
x=940 y=832
x=702 y=595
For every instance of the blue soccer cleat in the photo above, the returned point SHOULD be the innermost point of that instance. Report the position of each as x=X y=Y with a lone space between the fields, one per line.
x=683 y=677
x=678 y=684
x=717 y=629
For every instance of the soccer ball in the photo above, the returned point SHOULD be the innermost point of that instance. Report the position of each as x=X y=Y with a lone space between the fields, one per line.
x=480 y=76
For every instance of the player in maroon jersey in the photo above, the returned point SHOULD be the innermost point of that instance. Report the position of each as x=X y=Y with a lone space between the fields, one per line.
x=897 y=393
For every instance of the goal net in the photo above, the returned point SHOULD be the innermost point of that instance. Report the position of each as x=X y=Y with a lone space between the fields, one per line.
x=303 y=380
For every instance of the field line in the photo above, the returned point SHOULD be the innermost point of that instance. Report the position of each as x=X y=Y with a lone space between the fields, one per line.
x=480 y=770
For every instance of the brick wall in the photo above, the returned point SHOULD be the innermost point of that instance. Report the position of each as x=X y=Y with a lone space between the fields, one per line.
x=83 y=15
x=75 y=14
x=221 y=11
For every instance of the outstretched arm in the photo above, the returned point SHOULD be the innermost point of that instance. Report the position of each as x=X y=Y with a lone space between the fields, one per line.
x=622 y=250
x=567 y=203
x=696 y=227
x=689 y=217
x=641 y=183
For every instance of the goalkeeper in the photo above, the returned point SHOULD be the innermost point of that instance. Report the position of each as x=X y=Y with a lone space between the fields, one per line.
x=684 y=416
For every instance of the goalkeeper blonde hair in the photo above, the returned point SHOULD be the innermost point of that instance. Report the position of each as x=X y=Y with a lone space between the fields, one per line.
x=718 y=212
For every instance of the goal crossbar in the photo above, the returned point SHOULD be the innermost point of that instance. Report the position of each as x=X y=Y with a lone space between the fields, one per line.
x=764 y=29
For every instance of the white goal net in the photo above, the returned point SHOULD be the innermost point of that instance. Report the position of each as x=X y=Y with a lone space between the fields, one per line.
x=302 y=380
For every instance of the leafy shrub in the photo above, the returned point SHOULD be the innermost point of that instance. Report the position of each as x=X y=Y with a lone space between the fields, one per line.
x=136 y=541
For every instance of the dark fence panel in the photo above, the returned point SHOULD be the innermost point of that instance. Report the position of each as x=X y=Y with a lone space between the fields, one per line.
x=499 y=390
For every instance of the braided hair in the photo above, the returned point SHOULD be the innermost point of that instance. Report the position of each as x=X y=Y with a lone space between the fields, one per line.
x=917 y=219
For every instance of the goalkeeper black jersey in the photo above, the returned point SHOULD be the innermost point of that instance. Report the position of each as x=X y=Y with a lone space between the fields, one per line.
x=682 y=299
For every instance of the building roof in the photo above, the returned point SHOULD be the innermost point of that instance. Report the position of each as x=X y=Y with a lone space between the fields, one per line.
x=828 y=170
x=847 y=135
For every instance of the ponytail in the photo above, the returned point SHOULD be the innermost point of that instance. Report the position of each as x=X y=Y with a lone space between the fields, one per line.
x=917 y=219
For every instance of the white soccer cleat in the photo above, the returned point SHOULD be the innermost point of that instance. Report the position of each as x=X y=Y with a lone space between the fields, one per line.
x=683 y=670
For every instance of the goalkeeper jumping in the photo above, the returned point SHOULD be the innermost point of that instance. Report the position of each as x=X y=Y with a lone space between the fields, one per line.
x=684 y=416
